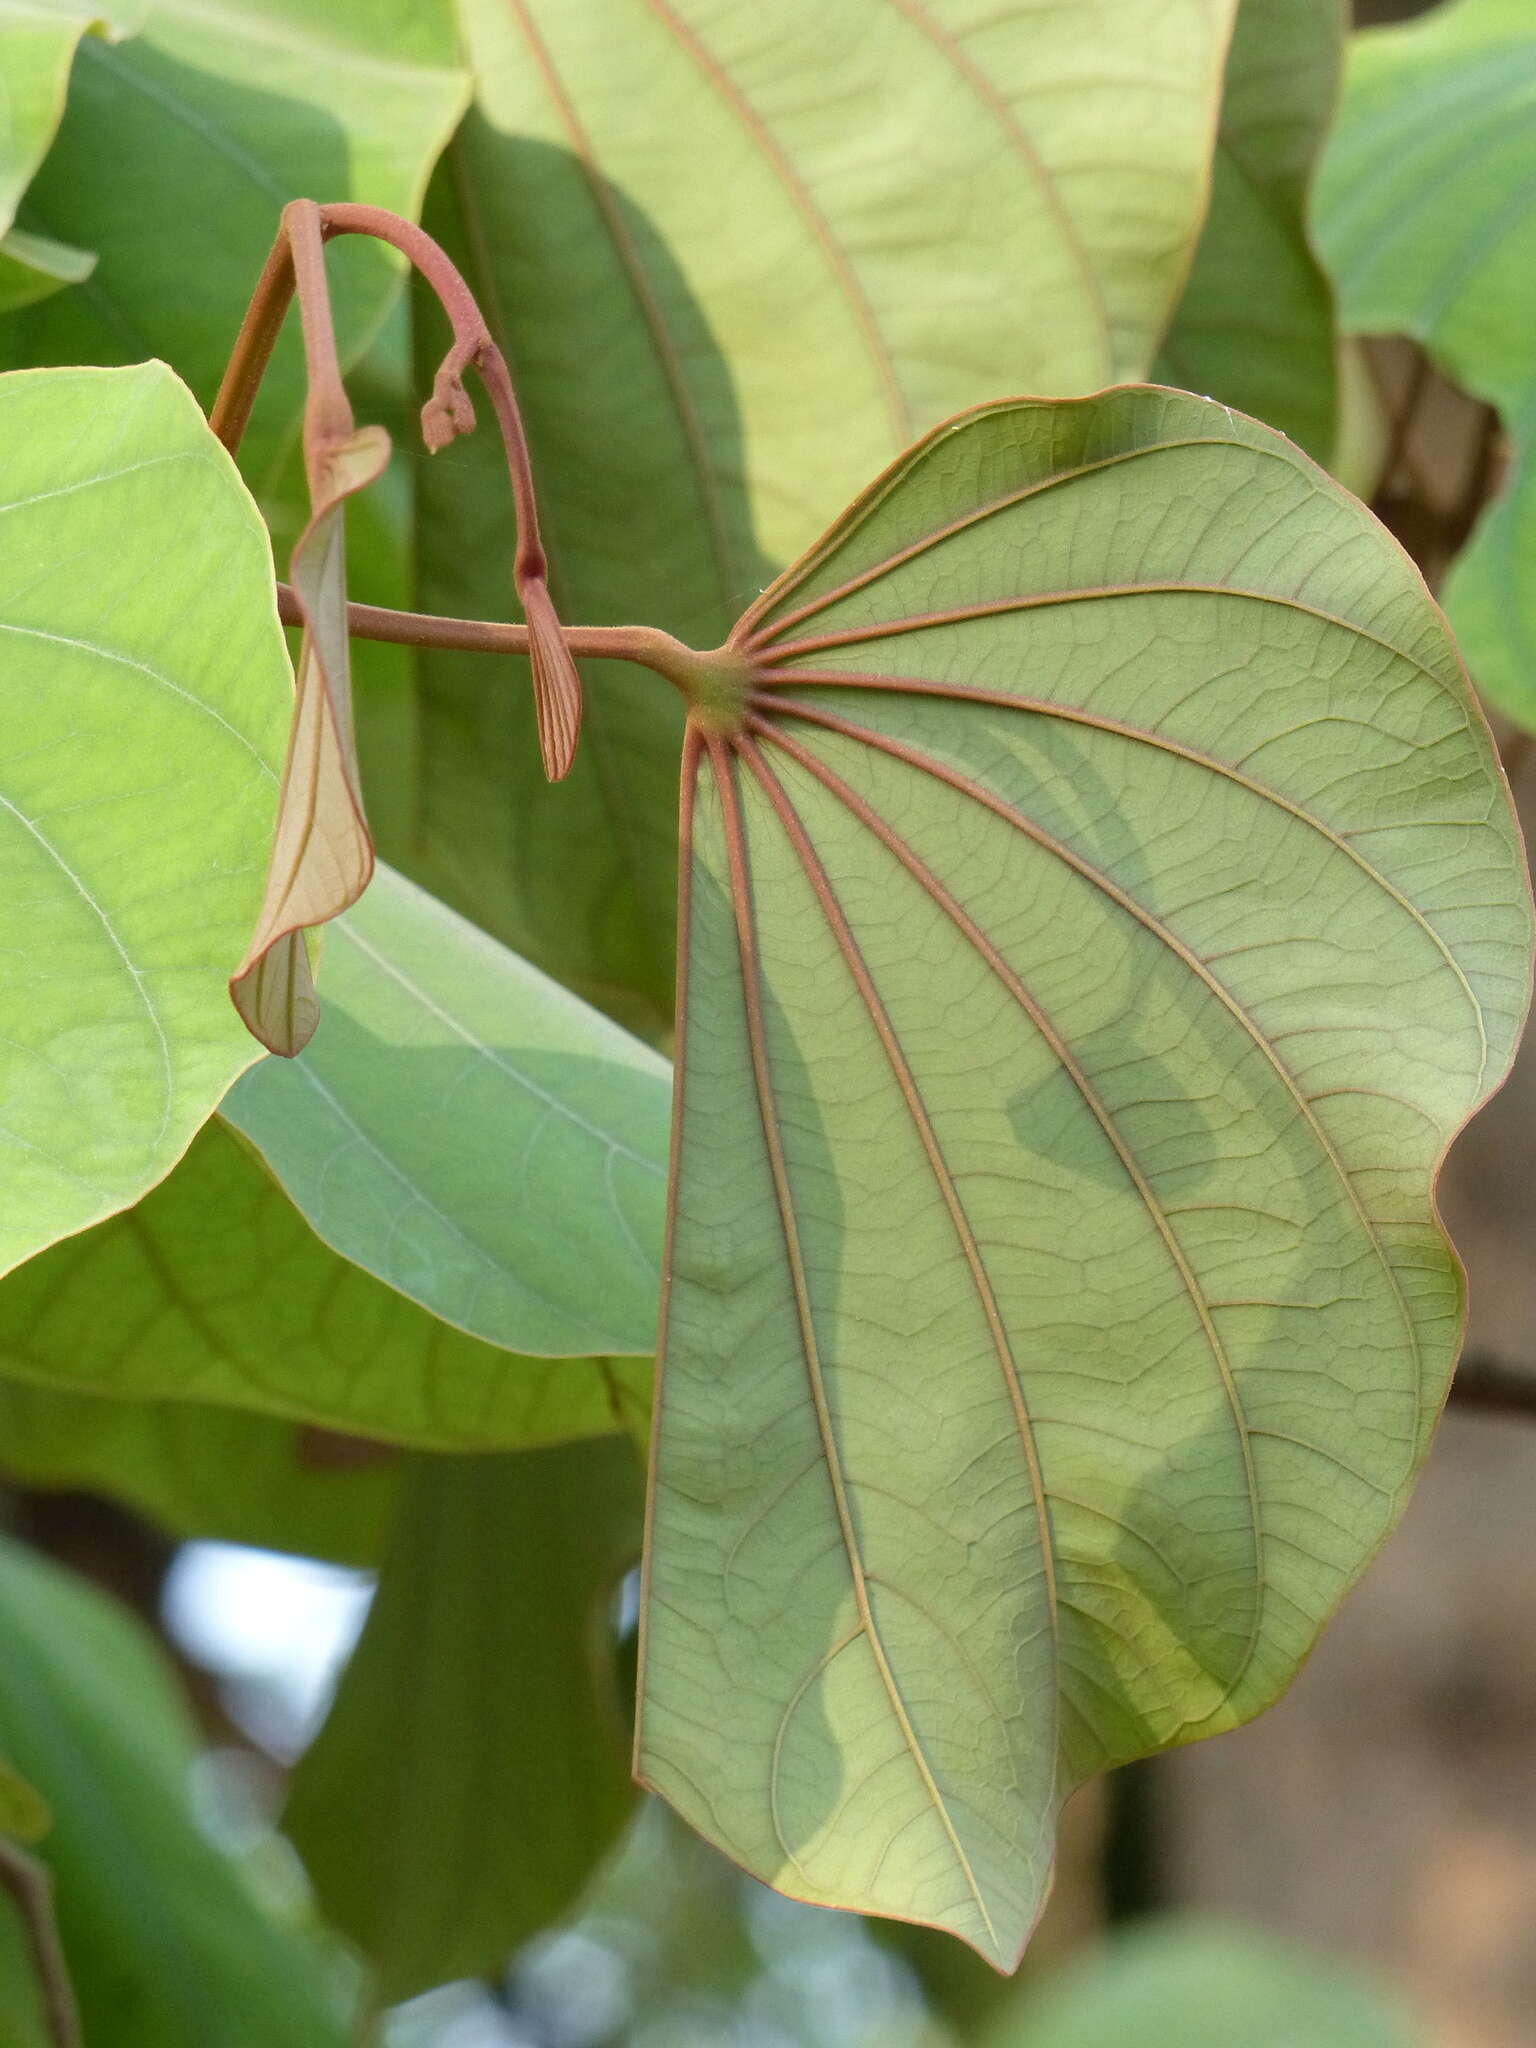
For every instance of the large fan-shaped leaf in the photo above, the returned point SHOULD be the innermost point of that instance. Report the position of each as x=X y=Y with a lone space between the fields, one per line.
x=146 y=694
x=215 y=1289
x=1107 y=915
x=177 y=154
x=471 y=1774
x=908 y=206
x=472 y=1133
x=1425 y=217
x=1255 y=325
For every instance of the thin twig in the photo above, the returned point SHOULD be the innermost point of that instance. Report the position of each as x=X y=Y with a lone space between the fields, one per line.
x=31 y=1887
x=297 y=262
x=647 y=645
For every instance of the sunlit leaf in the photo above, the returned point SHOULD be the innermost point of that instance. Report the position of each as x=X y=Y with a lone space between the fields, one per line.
x=215 y=1289
x=1425 y=218
x=1198 y=1984
x=1255 y=325
x=322 y=856
x=177 y=154
x=145 y=692
x=38 y=39
x=716 y=344
x=1109 y=913
x=31 y=267
x=165 y=1942
x=214 y=1473
x=472 y=1133
x=472 y=1772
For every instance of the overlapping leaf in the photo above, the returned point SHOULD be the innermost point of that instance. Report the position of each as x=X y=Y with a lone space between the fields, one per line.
x=1255 y=325
x=472 y=1133
x=1199 y=1984
x=216 y=1473
x=471 y=1774
x=165 y=1942
x=712 y=363
x=38 y=39
x=215 y=1289
x=1106 y=917
x=178 y=152
x=146 y=690
x=1426 y=219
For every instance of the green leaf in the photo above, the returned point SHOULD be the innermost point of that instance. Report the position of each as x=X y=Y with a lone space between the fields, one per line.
x=214 y=1473
x=31 y=267
x=179 y=150
x=713 y=359
x=1194 y=1984
x=146 y=691
x=1109 y=914
x=1425 y=219
x=38 y=39
x=165 y=1942
x=472 y=1133
x=473 y=1769
x=1255 y=325
x=215 y=1289
x=24 y=1814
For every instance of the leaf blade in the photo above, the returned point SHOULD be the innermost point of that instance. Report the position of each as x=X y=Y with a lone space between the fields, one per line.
x=167 y=1303
x=1051 y=736
x=462 y=1791
x=1430 y=123
x=138 y=776
x=472 y=1133
x=726 y=440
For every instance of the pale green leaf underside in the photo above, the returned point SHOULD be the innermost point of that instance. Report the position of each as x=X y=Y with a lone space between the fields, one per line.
x=1255 y=325
x=146 y=690
x=472 y=1133
x=1426 y=219
x=1057 y=1313
x=214 y=1289
x=838 y=222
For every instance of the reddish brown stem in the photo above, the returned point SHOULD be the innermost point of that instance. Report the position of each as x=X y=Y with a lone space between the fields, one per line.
x=647 y=645
x=297 y=263
x=448 y=411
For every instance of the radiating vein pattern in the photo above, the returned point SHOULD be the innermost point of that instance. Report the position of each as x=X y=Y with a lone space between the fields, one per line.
x=1104 y=920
